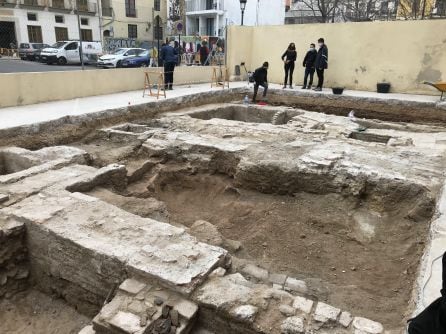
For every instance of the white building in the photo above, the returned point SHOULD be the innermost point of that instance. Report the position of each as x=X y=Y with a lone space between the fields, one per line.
x=209 y=17
x=47 y=21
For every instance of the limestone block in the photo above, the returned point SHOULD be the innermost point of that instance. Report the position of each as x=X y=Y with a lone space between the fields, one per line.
x=345 y=319
x=292 y=284
x=277 y=278
x=256 y=272
x=287 y=310
x=186 y=309
x=325 y=313
x=366 y=326
x=87 y=330
x=292 y=325
x=303 y=304
x=126 y=322
x=219 y=272
x=132 y=286
x=245 y=312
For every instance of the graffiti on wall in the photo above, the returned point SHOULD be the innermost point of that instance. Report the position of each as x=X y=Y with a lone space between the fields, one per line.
x=111 y=44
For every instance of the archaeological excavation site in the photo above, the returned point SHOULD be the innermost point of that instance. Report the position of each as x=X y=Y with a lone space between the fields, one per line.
x=201 y=214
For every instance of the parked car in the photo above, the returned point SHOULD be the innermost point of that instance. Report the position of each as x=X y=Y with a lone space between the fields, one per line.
x=116 y=58
x=67 y=52
x=37 y=52
x=29 y=50
x=142 y=59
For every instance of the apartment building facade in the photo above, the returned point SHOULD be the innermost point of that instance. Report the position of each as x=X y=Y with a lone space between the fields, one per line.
x=47 y=21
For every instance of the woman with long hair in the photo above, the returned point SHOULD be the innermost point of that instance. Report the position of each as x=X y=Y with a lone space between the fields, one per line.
x=289 y=58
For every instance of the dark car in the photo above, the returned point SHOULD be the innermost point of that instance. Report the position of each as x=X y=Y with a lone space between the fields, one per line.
x=30 y=50
x=142 y=59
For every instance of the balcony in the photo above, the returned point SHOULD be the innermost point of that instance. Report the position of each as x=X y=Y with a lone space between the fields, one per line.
x=8 y=3
x=35 y=4
x=131 y=12
x=107 y=11
x=59 y=6
x=209 y=6
x=86 y=8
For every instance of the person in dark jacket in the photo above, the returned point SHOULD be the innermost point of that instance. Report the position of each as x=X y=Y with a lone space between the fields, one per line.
x=289 y=58
x=261 y=79
x=321 y=63
x=433 y=319
x=308 y=63
x=169 y=57
x=204 y=53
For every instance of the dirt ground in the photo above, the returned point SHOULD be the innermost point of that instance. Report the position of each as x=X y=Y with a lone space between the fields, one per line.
x=32 y=312
x=350 y=256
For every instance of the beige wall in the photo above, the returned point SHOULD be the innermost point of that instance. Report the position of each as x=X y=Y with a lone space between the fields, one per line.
x=28 y=88
x=360 y=54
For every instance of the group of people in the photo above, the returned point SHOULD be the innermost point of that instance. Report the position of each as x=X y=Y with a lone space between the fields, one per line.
x=314 y=61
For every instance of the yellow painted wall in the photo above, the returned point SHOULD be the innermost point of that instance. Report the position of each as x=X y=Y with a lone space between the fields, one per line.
x=28 y=88
x=403 y=53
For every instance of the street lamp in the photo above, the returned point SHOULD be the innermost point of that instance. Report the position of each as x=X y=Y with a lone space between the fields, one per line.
x=242 y=7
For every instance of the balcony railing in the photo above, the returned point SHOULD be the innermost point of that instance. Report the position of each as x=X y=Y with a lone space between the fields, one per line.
x=131 y=12
x=86 y=7
x=8 y=3
x=204 y=5
x=107 y=11
x=59 y=4
x=32 y=3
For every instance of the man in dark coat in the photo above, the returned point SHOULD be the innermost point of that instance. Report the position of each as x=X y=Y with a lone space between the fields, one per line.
x=169 y=56
x=308 y=63
x=433 y=319
x=321 y=63
x=261 y=79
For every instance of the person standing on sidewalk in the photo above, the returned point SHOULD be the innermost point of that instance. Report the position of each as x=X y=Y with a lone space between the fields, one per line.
x=308 y=63
x=321 y=63
x=169 y=56
x=289 y=58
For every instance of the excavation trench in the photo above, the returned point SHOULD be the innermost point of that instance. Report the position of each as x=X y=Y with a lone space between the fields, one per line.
x=353 y=252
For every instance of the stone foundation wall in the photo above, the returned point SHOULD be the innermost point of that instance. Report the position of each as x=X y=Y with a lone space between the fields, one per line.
x=14 y=270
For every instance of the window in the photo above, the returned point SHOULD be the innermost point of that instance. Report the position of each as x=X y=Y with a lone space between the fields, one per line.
x=71 y=46
x=131 y=52
x=82 y=5
x=133 y=31
x=32 y=17
x=35 y=34
x=61 y=34
x=58 y=4
x=87 y=35
x=84 y=21
x=157 y=5
x=59 y=18
x=158 y=28
x=130 y=10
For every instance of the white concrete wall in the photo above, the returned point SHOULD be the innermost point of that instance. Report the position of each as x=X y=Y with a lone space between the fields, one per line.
x=46 y=20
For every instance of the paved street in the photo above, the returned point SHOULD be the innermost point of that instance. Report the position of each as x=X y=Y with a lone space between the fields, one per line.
x=14 y=65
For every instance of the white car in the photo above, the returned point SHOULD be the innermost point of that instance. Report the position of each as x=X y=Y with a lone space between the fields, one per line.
x=115 y=59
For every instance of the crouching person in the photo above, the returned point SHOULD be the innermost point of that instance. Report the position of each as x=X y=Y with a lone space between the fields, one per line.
x=261 y=79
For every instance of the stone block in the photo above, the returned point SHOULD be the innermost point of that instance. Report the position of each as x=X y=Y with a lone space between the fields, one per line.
x=325 y=313
x=3 y=198
x=245 y=312
x=277 y=278
x=126 y=322
x=303 y=304
x=366 y=326
x=256 y=272
x=292 y=284
x=345 y=319
x=287 y=310
x=219 y=272
x=87 y=330
x=292 y=325
x=186 y=309
x=131 y=286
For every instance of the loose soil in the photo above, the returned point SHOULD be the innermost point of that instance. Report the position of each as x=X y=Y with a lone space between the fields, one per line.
x=350 y=256
x=32 y=312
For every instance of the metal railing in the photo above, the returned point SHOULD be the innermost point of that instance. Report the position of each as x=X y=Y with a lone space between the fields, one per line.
x=107 y=11
x=33 y=3
x=58 y=4
x=86 y=7
x=131 y=12
x=203 y=5
x=8 y=3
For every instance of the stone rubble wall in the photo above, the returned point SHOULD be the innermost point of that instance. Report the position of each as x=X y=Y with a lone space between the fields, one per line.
x=14 y=265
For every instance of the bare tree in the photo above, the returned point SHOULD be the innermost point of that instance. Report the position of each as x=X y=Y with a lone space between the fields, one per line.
x=323 y=10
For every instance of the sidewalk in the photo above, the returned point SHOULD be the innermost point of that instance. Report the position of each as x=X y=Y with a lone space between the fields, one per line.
x=36 y=113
